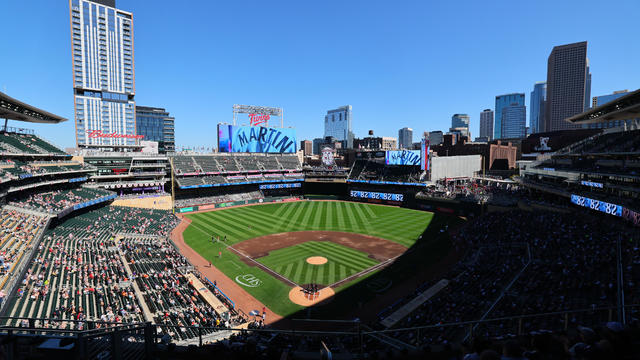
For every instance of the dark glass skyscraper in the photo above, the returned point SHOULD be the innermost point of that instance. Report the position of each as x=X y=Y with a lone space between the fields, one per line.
x=155 y=124
x=486 y=124
x=568 y=85
x=503 y=101
x=536 y=106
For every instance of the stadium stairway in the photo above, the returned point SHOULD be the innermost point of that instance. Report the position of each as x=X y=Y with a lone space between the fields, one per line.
x=143 y=304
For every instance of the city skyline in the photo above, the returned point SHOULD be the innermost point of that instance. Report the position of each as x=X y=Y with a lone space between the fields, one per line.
x=399 y=89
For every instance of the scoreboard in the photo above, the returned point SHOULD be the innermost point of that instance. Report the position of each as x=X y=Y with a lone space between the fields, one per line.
x=597 y=205
x=376 y=195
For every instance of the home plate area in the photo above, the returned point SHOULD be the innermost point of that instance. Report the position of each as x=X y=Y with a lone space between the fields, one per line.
x=315 y=262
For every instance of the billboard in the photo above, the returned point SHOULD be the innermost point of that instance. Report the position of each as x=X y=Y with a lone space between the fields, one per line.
x=256 y=139
x=402 y=157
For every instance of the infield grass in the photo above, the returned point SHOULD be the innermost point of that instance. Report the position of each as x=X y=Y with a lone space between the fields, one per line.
x=342 y=262
x=242 y=223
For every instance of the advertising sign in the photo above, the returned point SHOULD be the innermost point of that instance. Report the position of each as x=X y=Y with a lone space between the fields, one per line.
x=597 y=205
x=256 y=139
x=403 y=157
x=424 y=155
x=376 y=195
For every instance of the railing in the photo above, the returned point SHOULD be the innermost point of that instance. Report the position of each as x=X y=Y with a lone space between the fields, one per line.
x=140 y=340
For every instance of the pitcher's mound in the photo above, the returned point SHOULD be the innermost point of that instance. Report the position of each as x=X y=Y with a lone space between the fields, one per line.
x=317 y=260
x=297 y=296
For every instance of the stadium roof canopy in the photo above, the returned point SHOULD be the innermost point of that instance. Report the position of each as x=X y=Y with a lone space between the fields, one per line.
x=623 y=108
x=13 y=109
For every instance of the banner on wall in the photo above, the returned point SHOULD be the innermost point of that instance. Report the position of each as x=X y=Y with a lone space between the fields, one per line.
x=424 y=155
x=258 y=139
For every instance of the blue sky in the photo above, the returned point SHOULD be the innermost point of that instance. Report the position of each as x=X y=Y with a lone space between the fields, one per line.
x=398 y=63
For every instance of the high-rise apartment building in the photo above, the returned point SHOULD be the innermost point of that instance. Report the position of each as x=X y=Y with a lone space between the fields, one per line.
x=103 y=73
x=155 y=124
x=514 y=121
x=536 y=106
x=405 y=138
x=486 y=124
x=337 y=124
x=568 y=85
x=503 y=101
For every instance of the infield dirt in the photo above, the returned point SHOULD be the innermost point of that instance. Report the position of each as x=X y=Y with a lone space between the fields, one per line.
x=377 y=248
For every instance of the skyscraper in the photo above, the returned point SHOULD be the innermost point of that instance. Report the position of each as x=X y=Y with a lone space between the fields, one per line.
x=103 y=73
x=486 y=123
x=460 y=121
x=337 y=123
x=503 y=101
x=405 y=138
x=155 y=124
x=568 y=85
x=536 y=106
x=514 y=121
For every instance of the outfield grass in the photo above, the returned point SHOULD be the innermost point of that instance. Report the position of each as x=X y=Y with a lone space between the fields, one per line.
x=238 y=224
x=342 y=262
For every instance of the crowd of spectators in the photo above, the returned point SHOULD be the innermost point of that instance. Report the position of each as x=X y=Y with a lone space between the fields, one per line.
x=222 y=198
x=497 y=193
x=56 y=201
x=85 y=268
x=17 y=233
x=524 y=263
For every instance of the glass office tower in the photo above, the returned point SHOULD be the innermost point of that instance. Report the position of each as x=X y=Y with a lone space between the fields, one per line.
x=514 y=121
x=103 y=73
x=536 y=108
x=155 y=124
x=337 y=124
x=503 y=101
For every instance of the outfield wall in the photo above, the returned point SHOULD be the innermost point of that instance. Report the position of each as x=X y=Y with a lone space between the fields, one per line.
x=189 y=209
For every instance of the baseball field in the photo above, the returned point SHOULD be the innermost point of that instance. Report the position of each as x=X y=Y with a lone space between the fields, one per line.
x=271 y=249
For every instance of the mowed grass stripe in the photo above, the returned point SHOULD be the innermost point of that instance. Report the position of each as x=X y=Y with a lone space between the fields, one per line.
x=310 y=210
x=285 y=216
x=296 y=218
x=239 y=228
x=317 y=215
x=354 y=219
x=339 y=216
x=285 y=255
x=331 y=247
x=329 y=215
x=246 y=221
x=355 y=260
x=367 y=208
x=363 y=219
x=268 y=217
x=220 y=225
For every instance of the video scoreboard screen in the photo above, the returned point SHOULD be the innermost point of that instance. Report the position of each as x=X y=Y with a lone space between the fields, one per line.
x=280 y=186
x=598 y=205
x=256 y=139
x=402 y=157
x=376 y=195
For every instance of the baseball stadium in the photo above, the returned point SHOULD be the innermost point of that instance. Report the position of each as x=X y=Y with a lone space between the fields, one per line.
x=347 y=255
x=266 y=246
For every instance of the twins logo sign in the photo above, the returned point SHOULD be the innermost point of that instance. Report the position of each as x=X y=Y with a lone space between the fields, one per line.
x=248 y=280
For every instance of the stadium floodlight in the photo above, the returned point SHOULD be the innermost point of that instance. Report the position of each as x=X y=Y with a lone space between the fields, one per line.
x=258 y=110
